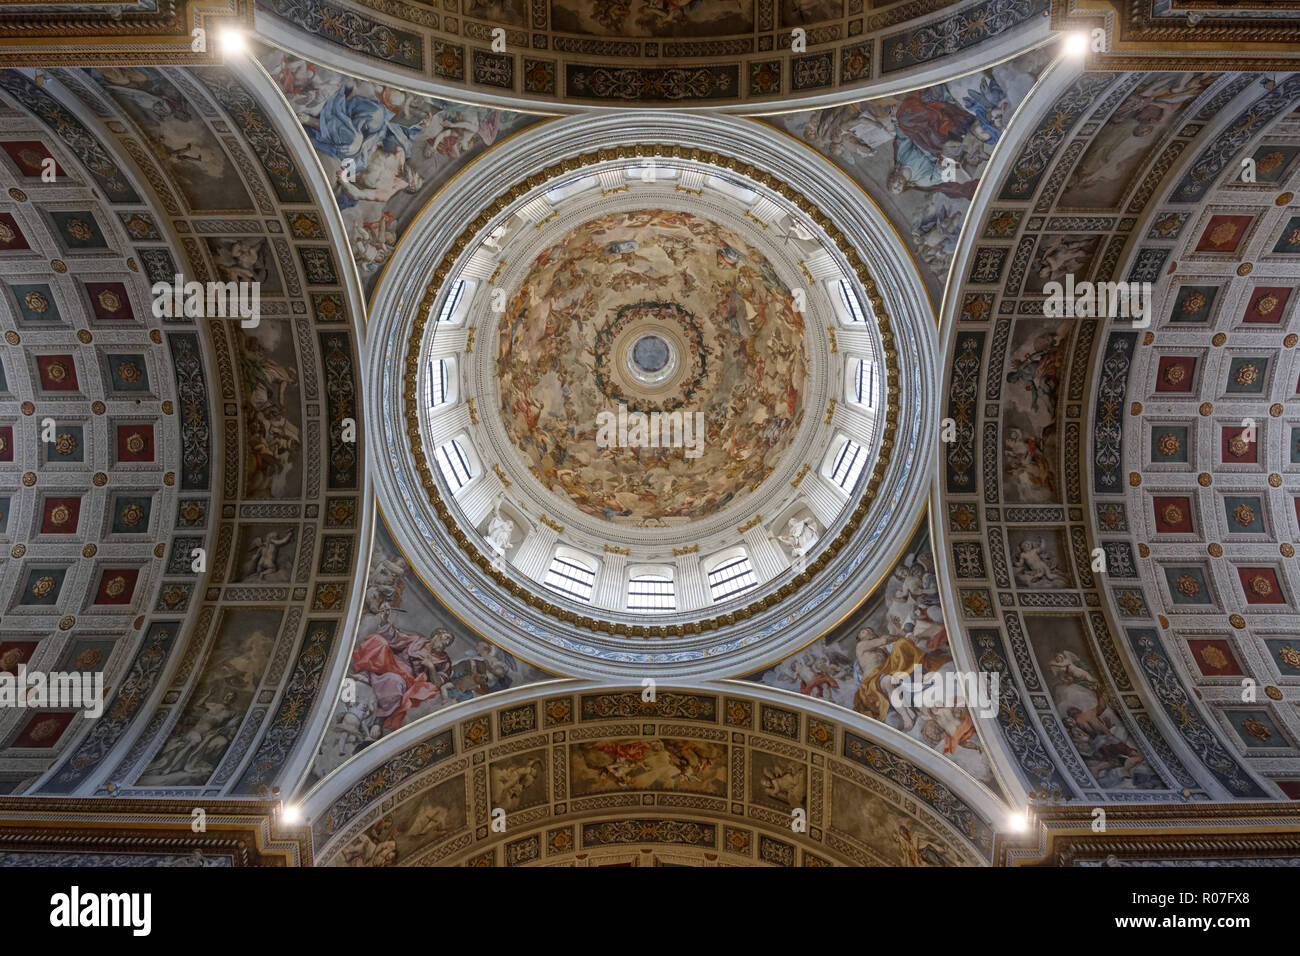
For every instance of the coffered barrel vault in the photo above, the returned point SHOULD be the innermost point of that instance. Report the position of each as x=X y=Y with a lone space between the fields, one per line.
x=1157 y=574
x=174 y=435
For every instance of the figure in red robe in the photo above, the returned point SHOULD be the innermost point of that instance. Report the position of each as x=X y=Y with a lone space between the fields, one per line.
x=401 y=669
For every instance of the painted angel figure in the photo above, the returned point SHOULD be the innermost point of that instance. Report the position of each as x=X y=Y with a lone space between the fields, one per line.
x=1035 y=565
x=801 y=534
x=263 y=550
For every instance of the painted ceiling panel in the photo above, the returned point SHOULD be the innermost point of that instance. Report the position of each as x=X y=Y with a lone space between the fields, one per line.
x=195 y=510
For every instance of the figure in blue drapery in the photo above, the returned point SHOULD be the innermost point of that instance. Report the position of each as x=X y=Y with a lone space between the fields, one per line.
x=990 y=105
x=352 y=127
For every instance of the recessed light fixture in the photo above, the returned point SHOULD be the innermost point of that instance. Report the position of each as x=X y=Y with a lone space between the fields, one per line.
x=232 y=42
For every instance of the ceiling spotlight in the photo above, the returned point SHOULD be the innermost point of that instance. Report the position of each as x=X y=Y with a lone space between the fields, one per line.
x=232 y=42
x=291 y=814
x=1018 y=823
x=1076 y=44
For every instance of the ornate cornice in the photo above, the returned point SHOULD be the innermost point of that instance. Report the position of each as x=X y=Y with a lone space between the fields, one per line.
x=1191 y=36
x=234 y=832
x=1188 y=833
x=119 y=35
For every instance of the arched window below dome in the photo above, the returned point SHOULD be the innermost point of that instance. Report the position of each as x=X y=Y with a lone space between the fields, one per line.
x=457 y=462
x=650 y=590
x=572 y=574
x=729 y=574
x=845 y=463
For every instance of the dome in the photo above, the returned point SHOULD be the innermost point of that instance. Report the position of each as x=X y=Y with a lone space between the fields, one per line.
x=609 y=379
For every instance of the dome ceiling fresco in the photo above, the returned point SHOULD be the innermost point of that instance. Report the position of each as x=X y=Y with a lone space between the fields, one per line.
x=635 y=415
x=652 y=286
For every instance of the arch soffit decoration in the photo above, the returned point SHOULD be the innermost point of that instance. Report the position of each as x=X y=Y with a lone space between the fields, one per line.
x=840 y=65
x=985 y=275
x=527 y=749
x=309 y=643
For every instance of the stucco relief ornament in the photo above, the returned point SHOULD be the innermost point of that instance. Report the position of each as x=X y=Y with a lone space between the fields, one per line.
x=500 y=530
x=1269 y=162
x=1256 y=729
x=45 y=731
x=1223 y=234
x=801 y=534
x=1214 y=657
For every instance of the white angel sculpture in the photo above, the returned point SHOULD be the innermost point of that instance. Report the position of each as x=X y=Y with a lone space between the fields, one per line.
x=801 y=534
x=500 y=531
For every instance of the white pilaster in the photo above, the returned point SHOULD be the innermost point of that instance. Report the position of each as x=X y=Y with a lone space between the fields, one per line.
x=768 y=559
x=854 y=420
x=533 y=556
x=479 y=497
x=858 y=341
x=611 y=581
x=448 y=340
x=824 y=499
x=446 y=422
x=688 y=582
